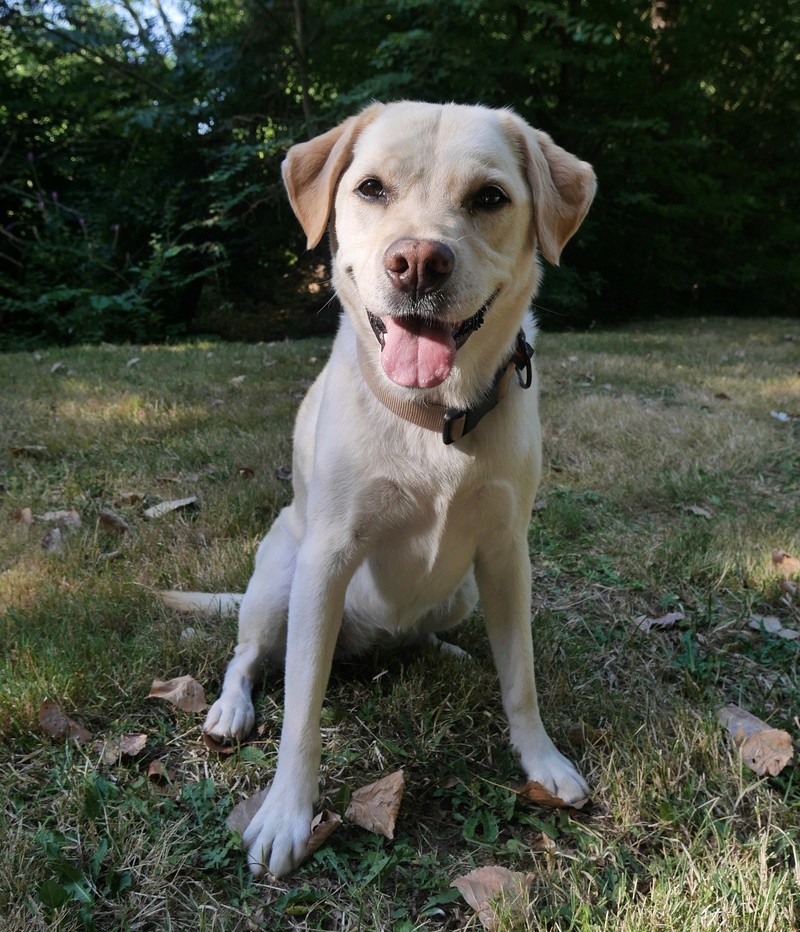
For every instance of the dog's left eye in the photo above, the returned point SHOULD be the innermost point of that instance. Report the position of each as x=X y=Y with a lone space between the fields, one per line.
x=490 y=197
x=372 y=190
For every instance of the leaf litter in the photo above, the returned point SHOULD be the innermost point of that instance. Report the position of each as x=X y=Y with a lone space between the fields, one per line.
x=375 y=807
x=184 y=692
x=57 y=725
x=495 y=892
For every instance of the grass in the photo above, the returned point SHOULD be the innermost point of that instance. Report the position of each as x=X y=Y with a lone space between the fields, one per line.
x=641 y=425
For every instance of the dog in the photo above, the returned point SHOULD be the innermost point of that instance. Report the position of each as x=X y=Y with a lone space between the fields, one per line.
x=417 y=451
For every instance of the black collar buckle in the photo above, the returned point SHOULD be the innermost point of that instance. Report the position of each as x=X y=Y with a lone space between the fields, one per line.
x=460 y=421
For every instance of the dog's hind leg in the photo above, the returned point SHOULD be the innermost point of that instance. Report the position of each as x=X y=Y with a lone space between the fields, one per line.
x=262 y=631
x=448 y=614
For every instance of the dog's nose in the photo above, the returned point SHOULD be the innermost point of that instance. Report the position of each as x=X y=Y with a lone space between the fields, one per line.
x=418 y=266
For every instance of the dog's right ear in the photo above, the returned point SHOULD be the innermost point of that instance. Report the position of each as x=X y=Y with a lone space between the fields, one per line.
x=311 y=171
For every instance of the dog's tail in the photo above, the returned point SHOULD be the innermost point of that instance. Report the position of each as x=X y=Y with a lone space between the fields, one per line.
x=201 y=603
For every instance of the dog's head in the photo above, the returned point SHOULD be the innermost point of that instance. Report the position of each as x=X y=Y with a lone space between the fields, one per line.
x=435 y=214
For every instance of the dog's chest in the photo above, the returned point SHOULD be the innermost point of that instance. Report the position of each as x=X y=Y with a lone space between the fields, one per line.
x=428 y=540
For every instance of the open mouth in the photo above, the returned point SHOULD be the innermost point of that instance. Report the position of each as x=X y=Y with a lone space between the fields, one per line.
x=419 y=351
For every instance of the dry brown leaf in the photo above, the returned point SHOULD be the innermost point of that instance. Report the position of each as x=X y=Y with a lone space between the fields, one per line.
x=322 y=827
x=22 y=515
x=158 y=772
x=645 y=623
x=495 y=890
x=184 y=692
x=786 y=564
x=375 y=807
x=764 y=750
x=124 y=746
x=164 y=508
x=534 y=792
x=245 y=472
x=109 y=520
x=30 y=449
x=217 y=746
x=58 y=726
x=242 y=813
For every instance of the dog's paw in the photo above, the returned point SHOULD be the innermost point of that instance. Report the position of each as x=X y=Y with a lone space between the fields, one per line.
x=445 y=647
x=558 y=775
x=231 y=718
x=277 y=837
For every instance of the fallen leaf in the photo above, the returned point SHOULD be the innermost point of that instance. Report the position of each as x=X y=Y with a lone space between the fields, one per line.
x=69 y=519
x=322 y=827
x=245 y=472
x=158 y=772
x=53 y=541
x=723 y=396
x=580 y=734
x=58 y=726
x=645 y=623
x=787 y=565
x=536 y=793
x=110 y=521
x=772 y=625
x=375 y=807
x=217 y=746
x=496 y=891
x=32 y=449
x=22 y=515
x=242 y=813
x=184 y=692
x=697 y=510
x=164 y=508
x=764 y=750
x=124 y=746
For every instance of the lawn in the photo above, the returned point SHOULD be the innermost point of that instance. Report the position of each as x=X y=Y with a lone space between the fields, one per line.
x=672 y=474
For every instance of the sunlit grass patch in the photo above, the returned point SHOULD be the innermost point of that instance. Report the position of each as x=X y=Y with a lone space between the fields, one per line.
x=659 y=496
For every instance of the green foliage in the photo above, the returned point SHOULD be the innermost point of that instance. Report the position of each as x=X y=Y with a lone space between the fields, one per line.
x=139 y=169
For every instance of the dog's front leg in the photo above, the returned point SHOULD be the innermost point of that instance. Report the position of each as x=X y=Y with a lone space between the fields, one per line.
x=503 y=573
x=278 y=834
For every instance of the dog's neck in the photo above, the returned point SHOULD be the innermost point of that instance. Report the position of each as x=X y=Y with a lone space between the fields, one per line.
x=451 y=423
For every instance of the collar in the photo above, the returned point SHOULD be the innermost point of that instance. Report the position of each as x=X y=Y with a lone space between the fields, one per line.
x=453 y=423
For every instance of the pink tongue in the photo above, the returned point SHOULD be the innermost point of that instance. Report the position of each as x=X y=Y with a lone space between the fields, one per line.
x=415 y=355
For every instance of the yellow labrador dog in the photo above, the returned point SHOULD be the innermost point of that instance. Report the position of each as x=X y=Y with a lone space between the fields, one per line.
x=417 y=450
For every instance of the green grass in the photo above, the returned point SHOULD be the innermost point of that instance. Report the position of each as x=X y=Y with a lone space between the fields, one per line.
x=678 y=835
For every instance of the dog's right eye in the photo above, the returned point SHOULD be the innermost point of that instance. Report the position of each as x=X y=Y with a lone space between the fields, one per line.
x=372 y=190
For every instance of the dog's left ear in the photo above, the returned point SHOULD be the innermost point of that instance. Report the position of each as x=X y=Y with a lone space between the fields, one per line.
x=562 y=187
x=311 y=171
